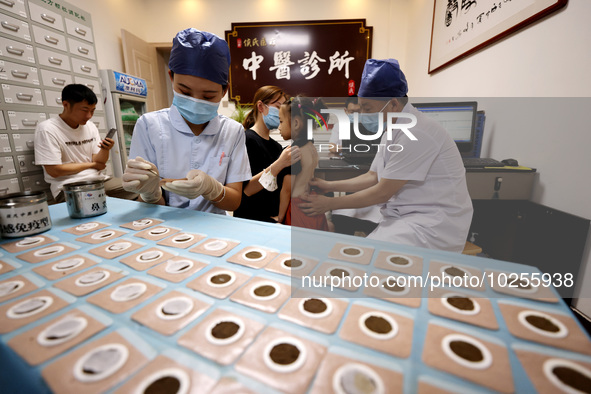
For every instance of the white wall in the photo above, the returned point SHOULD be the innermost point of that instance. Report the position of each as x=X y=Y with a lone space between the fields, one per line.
x=167 y=18
x=158 y=21
x=548 y=59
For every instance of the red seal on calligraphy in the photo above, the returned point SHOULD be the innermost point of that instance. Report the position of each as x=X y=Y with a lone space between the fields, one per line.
x=351 y=87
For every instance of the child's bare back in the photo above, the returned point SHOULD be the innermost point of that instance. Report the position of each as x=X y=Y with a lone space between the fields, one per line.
x=309 y=162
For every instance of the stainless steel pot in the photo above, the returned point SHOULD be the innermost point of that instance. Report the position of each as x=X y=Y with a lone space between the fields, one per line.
x=86 y=199
x=23 y=214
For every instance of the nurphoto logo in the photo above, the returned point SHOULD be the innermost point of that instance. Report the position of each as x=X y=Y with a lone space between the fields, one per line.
x=344 y=129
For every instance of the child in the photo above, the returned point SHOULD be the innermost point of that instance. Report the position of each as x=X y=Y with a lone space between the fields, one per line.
x=293 y=118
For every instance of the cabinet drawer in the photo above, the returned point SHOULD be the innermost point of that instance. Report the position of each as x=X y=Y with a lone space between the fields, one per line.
x=79 y=30
x=93 y=84
x=5 y=144
x=80 y=48
x=99 y=105
x=25 y=120
x=84 y=67
x=34 y=183
x=21 y=95
x=53 y=98
x=49 y=38
x=16 y=50
x=7 y=166
x=8 y=186
x=19 y=73
x=26 y=163
x=46 y=17
x=14 y=27
x=55 y=79
x=53 y=59
x=16 y=7
x=23 y=142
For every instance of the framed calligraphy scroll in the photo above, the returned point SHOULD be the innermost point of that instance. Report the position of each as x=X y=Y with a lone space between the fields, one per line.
x=462 y=27
x=313 y=58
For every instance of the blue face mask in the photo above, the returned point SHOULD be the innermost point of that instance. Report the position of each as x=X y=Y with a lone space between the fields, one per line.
x=194 y=110
x=371 y=121
x=351 y=117
x=272 y=118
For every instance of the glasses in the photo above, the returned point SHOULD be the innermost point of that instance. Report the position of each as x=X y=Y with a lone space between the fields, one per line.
x=368 y=111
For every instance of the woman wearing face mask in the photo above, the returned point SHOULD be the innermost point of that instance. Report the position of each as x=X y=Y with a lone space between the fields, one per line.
x=201 y=155
x=261 y=194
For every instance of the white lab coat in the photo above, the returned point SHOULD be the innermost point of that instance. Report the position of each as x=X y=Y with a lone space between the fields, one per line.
x=164 y=138
x=433 y=209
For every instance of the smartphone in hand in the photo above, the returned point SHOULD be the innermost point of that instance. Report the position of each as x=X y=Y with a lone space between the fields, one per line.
x=111 y=133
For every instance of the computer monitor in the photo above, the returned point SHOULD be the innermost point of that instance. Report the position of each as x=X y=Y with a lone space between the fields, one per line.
x=458 y=118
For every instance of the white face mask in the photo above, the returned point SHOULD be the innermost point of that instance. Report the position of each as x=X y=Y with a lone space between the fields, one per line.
x=195 y=110
x=272 y=118
x=372 y=120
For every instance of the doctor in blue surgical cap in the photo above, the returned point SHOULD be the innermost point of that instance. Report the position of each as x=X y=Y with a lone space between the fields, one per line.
x=189 y=156
x=419 y=184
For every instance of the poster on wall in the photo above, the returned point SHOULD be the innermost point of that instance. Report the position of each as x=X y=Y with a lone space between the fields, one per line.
x=462 y=27
x=312 y=58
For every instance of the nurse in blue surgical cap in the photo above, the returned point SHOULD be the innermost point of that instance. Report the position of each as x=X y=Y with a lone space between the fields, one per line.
x=189 y=156
x=420 y=188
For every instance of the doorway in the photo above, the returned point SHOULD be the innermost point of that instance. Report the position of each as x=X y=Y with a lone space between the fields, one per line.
x=149 y=61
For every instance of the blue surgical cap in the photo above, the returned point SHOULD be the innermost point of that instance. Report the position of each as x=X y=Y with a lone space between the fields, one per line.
x=382 y=78
x=201 y=54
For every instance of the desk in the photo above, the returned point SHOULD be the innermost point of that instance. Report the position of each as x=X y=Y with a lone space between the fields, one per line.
x=403 y=352
x=333 y=167
x=506 y=183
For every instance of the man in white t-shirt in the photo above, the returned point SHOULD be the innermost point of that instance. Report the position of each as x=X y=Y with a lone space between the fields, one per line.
x=196 y=155
x=420 y=188
x=68 y=146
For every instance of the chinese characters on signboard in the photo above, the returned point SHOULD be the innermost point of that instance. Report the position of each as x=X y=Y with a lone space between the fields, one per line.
x=315 y=58
x=308 y=66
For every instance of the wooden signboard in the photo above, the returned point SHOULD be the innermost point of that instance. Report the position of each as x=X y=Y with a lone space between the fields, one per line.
x=313 y=58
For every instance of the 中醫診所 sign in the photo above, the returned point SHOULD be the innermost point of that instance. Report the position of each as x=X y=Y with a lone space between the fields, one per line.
x=313 y=58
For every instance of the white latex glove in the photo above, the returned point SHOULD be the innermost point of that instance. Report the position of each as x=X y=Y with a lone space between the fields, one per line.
x=197 y=184
x=142 y=177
